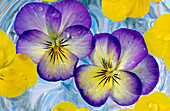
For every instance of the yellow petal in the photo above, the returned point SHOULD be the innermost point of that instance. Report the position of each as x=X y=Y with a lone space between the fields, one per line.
x=136 y=8
x=1 y=58
x=161 y=27
x=82 y=109
x=125 y=110
x=64 y=106
x=12 y=82
x=167 y=63
x=153 y=102
x=155 y=0
x=113 y=9
x=49 y=0
x=156 y=46
x=8 y=48
x=24 y=64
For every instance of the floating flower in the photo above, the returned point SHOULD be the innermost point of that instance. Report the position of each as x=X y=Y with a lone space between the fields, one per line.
x=157 y=39
x=118 y=10
x=17 y=71
x=121 y=69
x=153 y=102
x=67 y=106
x=55 y=37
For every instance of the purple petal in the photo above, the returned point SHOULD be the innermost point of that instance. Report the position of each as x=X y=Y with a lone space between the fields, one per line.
x=92 y=89
x=127 y=89
x=55 y=66
x=73 y=13
x=38 y=16
x=107 y=50
x=133 y=48
x=78 y=40
x=148 y=73
x=33 y=43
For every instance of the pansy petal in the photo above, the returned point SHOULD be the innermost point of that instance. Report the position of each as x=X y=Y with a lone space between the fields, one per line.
x=64 y=106
x=148 y=72
x=107 y=50
x=7 y=50
x=12 y=82
x=94 y=86
x=156 y=47
x=167 y=63
x=155 y=0
x=34 y=44
x=58 y=65
x=135 y=8
x=161 y=27
x=133 y=48
x=78 y=40
x=73 y=13
x=27 y=67
x=38 y=16
x=127 y=89
x=113 y=9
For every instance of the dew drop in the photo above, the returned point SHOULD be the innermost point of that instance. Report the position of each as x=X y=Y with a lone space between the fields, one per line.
x=153 y=106
x=67 y=35
x=40 y=9
x=31 y=6
x=54 y=15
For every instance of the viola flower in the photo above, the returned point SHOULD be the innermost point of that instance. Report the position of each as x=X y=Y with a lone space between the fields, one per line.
x=153 y=102
x=122 y=69
x=17 y=71
x=55 y=37
x=118 y=10
x=67 y=106
x=157 y=38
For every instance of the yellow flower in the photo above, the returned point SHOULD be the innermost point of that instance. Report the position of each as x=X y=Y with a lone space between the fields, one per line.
x=67 y=106
x=118 y=10
x=49 y=0
x=157 y=38
x=17 y=71
x=153 y=102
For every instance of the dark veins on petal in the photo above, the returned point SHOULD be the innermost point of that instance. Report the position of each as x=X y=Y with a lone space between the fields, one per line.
x=106 y=75
x=55 y=50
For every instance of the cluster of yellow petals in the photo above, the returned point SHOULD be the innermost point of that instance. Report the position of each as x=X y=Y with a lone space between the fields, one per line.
x=157 y=39
x=17 y=71
x=118 y=10
x=153 y=102
x=67 y=106
x=49 y=0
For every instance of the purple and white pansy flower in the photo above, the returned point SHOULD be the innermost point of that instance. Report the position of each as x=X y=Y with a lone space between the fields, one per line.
x=54 y=36
x=122 y=69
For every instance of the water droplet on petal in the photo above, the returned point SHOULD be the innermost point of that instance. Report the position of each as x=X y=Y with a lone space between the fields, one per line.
x=67 y=35
x=153 y=106
x=55 y=15
x=31 y=6
x=40 y=9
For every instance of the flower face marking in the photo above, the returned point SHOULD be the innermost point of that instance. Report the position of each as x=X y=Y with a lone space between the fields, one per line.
x=57 y=38
x=122 y=69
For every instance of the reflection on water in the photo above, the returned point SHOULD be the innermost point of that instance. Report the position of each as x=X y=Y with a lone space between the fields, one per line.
x=44 y=95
